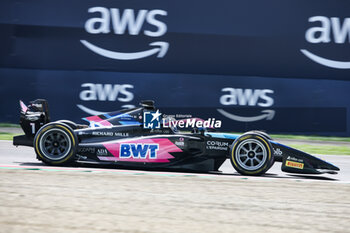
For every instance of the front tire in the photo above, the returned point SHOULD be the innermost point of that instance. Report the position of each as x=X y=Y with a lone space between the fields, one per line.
x=55 y=144
x=251 y=154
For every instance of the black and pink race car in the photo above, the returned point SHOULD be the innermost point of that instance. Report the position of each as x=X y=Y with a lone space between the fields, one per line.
x=121 y=138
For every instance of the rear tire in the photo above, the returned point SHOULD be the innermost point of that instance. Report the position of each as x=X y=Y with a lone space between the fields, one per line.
x=69 y=123
x=251 y=154
x=55 y=144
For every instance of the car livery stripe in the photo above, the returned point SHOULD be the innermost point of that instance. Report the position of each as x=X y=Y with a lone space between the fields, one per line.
x=121 y=118
x=222 y=135
x=130 y=123
x=98 y=120
x=107 y=115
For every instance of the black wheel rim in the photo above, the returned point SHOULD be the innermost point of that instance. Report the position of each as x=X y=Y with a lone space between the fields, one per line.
x=55 y=144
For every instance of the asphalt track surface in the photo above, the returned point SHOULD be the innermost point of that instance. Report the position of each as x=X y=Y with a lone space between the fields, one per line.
x=39 y=198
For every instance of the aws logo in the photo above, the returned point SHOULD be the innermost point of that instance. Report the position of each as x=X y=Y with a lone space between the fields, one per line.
x=326 y=30
x=247 y=97
x=129 y=21
x=105 y=92
x=138 y=150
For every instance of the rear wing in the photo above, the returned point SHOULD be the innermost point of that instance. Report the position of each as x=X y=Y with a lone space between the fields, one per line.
x=32 y=118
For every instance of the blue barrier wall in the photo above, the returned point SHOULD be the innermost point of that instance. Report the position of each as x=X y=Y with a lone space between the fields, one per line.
x=282 y=66
x=277 y=105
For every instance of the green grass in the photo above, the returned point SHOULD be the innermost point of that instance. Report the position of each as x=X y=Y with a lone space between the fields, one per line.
x=311 y=148
x=7 y=136
x=303 y=137
x=9 y=125
x=312 y=138
x=322 y=149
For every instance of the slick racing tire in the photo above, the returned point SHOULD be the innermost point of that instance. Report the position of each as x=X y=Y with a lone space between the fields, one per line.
x=55 y=144
x=69 y=123
x=251 y=154
x=266 y=136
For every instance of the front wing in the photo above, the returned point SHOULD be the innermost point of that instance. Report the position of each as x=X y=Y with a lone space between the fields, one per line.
x=296 y=161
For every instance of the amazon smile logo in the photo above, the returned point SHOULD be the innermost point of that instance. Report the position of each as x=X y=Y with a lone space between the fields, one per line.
x=322 y=34
x=265 y=115
x=127 y=21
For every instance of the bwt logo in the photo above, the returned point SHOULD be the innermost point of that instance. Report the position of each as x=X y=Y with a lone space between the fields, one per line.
x=151 y=120
x=326 y=30
x=105 y=92
x=138 y=151
x=129 y=21
x=247 y=97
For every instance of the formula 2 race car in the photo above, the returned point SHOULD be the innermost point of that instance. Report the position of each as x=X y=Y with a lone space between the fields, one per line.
x=122 y=139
